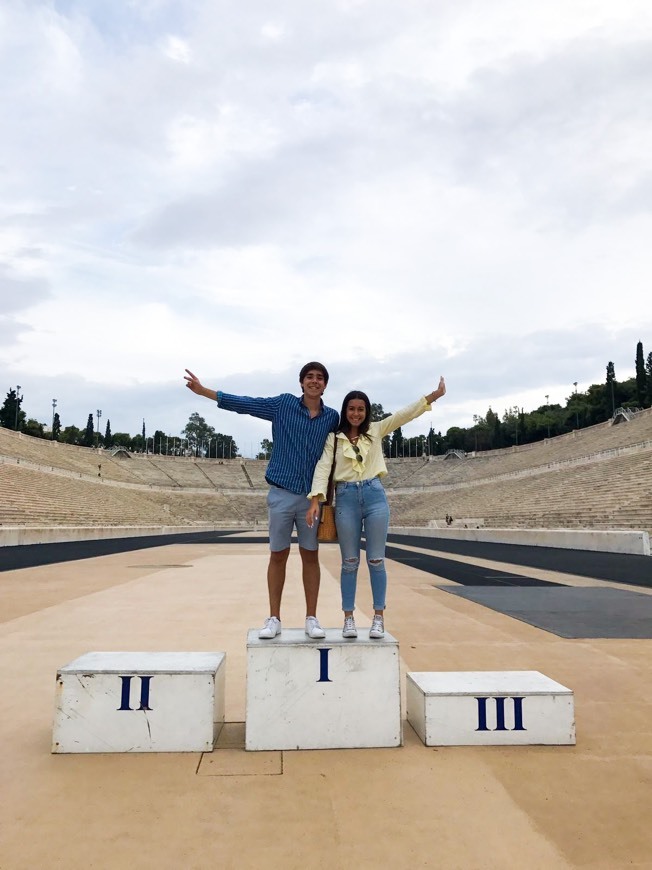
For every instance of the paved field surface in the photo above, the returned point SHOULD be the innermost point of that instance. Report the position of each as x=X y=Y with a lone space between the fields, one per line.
x=583 y=806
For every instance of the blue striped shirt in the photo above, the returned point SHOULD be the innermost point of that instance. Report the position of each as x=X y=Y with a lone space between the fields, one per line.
x=298 y=439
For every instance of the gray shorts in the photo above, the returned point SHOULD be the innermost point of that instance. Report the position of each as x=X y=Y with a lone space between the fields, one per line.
x=287 y=511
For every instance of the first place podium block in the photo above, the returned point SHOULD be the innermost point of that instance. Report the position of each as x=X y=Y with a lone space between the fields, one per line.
x=139 y=702
x=489 y=708
x=333 y=693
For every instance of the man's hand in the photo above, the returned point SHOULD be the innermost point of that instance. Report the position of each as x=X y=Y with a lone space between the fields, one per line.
x=193 y=383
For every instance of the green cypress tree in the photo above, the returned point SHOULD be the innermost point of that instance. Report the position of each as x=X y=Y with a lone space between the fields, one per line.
x=610 y=400
x=641 y=376
x=88 y=437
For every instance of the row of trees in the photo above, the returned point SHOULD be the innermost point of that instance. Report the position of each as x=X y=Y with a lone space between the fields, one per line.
x=489 y=432
x=196 y=439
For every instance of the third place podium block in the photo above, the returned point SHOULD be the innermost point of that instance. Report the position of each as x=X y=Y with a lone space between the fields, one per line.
x=334 y=693
x=490 y=708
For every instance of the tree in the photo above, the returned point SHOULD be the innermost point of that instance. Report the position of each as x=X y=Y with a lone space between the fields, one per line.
x=379 y=413
x=415 y=446
x=56 y=427
x=159 y=442
x=197 y=431
x=11 y=416
x=265 y=449
x=434 y=443
x=122 y=439
x=397 y=443
x=108 y=437
x=71 y=435
x=610 y=387
x=34 y=428
x=226 y=446
x=455 y=438
x=641 y=376
x=88 y=436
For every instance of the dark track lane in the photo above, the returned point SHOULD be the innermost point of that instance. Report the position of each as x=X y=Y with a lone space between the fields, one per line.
x=617 y=567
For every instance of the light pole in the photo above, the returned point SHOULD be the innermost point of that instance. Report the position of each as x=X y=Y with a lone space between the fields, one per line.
x=547 y=417
x=17 y=401
x=97 y=434
x=54 y=405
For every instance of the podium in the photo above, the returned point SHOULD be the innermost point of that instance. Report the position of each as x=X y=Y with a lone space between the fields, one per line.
x=139 y=702
x=498 y=708
x=333 y=693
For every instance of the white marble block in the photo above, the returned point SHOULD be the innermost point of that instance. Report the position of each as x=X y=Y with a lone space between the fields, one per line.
x=139 y=702
x=499 y=708
x=334 y=693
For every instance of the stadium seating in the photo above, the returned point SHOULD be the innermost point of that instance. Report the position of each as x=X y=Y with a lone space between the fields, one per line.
x=594 y=478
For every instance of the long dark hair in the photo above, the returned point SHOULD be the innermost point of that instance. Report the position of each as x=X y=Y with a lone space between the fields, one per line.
x=344 y=425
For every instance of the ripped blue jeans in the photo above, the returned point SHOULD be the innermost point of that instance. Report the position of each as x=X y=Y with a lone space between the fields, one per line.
x=362 y=506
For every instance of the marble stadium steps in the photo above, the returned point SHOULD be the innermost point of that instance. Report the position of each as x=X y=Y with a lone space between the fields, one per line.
x=612 y=493
x=605 y=483
x=32 y=497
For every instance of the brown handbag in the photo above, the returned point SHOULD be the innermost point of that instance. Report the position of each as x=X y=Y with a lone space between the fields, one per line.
x=327 y=531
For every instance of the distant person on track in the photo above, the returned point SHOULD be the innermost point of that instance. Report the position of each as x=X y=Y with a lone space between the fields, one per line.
x=361 y=503
x=300 y=426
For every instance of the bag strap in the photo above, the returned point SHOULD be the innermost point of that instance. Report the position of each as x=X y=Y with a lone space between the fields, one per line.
x=331 y=485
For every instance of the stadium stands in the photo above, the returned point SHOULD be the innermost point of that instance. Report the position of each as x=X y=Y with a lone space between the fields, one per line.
x=594 y=478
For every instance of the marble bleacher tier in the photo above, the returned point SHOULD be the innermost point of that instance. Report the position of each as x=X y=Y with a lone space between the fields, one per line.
x=592 y=478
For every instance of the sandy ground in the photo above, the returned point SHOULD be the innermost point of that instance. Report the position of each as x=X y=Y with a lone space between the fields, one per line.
x=583 y=806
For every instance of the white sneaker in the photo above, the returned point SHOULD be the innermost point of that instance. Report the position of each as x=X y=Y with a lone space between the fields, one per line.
x=377 y=627
x=349 y=629
x=313 y=628
x=271 y=628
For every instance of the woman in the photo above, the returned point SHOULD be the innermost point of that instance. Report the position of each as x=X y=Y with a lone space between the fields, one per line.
x=360 y=498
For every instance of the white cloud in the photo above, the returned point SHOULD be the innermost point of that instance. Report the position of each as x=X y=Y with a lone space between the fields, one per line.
x=400 y=190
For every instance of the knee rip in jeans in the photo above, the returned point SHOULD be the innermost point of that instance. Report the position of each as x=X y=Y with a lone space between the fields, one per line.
x=350 y=565
x=376 y=562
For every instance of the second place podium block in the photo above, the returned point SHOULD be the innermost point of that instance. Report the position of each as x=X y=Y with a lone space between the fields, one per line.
x=334 y=693
x=139 y=702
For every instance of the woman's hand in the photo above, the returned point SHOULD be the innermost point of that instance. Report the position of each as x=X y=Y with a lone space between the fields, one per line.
x=438 y=393
x=312 y=514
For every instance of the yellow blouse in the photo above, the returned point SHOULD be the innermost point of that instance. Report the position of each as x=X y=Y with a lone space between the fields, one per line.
x=347 y=466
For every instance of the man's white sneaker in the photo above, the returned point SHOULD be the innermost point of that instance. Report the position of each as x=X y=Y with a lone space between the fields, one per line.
x=349 y=629
x=313 y=628
x=377 y=627
x=271 y=628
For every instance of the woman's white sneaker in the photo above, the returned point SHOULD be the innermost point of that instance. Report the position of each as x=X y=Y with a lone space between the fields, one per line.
x=377 y=627
x=349 y=629
x=271 y=628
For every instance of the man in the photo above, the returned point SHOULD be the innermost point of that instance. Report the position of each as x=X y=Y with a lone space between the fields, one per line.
x=300 y=425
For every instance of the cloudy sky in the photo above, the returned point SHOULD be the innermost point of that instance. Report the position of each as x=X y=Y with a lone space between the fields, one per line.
x=399 y=188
